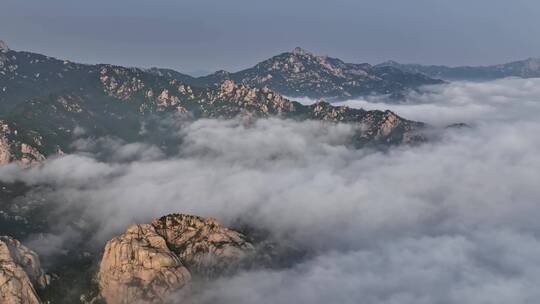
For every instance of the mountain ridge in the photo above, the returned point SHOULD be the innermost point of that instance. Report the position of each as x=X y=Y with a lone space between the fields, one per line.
x=43 y=100
x=526 y=68
x=300 y=73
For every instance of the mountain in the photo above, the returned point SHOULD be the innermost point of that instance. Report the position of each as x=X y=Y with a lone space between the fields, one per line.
x=46 y=103
x=148 y=262
x=302 y=74
x=151 y=262
x=528 y=68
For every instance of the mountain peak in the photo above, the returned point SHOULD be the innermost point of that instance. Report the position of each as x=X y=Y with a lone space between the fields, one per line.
x=3 y=46
x=300 y=51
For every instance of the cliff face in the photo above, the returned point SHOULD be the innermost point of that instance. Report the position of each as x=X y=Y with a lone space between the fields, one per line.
x=20 y=273
x=14 y=146
x=137 y=266
x=153 y=263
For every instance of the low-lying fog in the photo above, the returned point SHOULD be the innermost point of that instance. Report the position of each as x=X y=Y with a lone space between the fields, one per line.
x=451 y=221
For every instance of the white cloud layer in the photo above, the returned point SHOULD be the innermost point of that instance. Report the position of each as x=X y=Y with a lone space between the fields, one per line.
x=509 y=99
x=452 y=221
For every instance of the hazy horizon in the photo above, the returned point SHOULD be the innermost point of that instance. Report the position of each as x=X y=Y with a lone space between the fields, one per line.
x=211 y=35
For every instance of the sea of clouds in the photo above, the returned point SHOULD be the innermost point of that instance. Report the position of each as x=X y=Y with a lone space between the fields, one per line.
x=511 y=99
x=451 y=221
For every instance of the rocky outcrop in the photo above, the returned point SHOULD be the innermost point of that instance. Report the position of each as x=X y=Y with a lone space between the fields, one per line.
x=231 y=99
x=5 y=149
x=205 y=246
x=12 y=148
x=137 y=266
x=151 y=263
x=389 y=123
x=120 y=82
x=20 y=273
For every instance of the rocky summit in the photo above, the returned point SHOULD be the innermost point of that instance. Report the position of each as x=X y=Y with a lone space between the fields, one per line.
x=300 y=73
x=155 y=263
x=20 y=273
x=205 y=246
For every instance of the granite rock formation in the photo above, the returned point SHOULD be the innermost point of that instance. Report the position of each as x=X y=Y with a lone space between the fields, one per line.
x=154 y=263
x=20 y=273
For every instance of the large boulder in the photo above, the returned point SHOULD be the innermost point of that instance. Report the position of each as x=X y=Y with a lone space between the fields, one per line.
x=20 y=273
x=138 y=267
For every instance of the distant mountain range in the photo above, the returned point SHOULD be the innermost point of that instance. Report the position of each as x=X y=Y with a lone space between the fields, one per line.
x=528 y=68
x=45 y=103
x=43 y=99
x=300 y=73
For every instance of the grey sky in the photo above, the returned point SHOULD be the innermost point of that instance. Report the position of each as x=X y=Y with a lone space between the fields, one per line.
x=233 y=34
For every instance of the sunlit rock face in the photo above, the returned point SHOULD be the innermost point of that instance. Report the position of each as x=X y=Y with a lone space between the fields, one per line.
x=20 y=273
x=138 y=267
x=155 y=263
